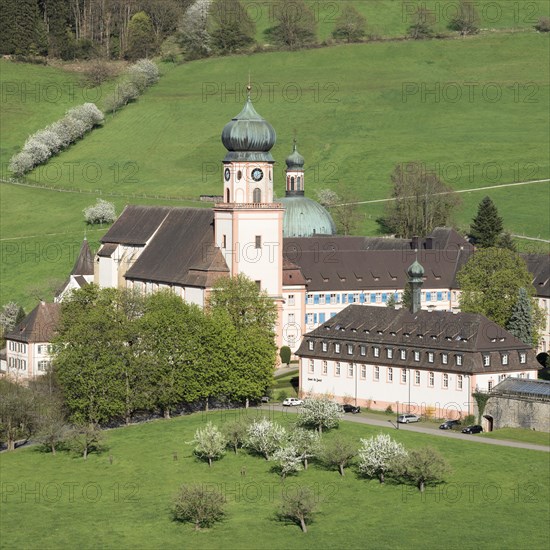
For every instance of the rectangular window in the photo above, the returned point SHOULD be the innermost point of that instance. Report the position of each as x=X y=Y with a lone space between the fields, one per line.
x=324 y=346
x=403 y=376
x=363 y=350
x=445 y=380
x=378 y=297
x=310 y=345
x=430 y=357
x=356 y=298
x=431 y=378
x=389 y=353
x=522 y=358
x=337 y=369
x=417 y=356
x=39 y=349
x=403 y=354
x=43 y=365
x=490 y=385
x=311 y=366
x=291 y=318
x=363 y=371
x=417 y=377
x=390 y=374
x=291 y=299
x=310 y=298
x=224 y=241
x=309 y=319
x=459 y=381
x=376 y=374
x=376 y=351
x=350 y=370
x=258 y=241
x=325 y=367
x=486 y=360
x=350 y=349
x=259 y=284
x=337 y=348
x=505 y=359
x=322 y=299
x=333 y=298
x=459 y=360
x=444 y=358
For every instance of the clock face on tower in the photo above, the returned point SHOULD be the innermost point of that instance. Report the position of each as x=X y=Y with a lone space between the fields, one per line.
x=227 y=174
x=257 y=174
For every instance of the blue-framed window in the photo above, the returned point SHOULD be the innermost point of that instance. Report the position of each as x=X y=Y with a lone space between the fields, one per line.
x=373 y=298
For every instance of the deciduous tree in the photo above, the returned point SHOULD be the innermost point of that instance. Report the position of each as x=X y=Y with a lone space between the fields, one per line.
x=319 y=413
x=337 y=452
x=200 y=505
x=350 y=25
x=210 y=443
x=424 y=466
x=295 y=24
x=421 y=201
x=265 y=437
x=490 y=283
x=380 y=455
x=299 y=507
x=232 y=27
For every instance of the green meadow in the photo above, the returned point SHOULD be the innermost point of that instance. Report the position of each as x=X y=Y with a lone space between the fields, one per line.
x=495 y=497
x=474 y=110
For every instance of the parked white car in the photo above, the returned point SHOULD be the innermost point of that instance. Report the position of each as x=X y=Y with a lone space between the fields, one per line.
x=406 y=418
x=292 y=402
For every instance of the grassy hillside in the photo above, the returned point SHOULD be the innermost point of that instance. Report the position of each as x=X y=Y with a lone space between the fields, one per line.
x=391 y=18
x=357 y=110
x=126 y=504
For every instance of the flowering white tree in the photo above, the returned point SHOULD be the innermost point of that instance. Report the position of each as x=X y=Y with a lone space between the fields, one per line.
x=194 y=35
x=101 y=212
x=40 y=146
x=147 y=70
x=265 y=437
x=210 y=443
x=306 y=443
x=380 y=455
x=288 y=460
x=319 y=413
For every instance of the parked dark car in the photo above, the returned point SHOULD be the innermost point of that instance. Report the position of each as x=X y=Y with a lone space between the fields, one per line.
x=475 y=429
x=351 y=409
x=449 y=424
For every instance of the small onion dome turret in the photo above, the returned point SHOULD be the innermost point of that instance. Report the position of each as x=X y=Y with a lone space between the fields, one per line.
x=305 y=218
x=415 y=271
x=295 y=161
x=248 y=137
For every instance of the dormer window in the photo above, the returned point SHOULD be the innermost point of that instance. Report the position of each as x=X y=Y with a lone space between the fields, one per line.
x=486 y=360
x=389 y=353
x=523 y=358
x=337 y=347
x=505 y=359
x=350 y=349
x=363 y=350
x=459 y=360
x=444 y=358
x=403 y=354
x=417 y=356
x=310 y=345
x=324 y=346
x=430 y=357
x=376 y=351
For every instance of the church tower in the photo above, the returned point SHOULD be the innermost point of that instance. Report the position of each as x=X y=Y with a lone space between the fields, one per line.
x=294 y=173
x=248 y=223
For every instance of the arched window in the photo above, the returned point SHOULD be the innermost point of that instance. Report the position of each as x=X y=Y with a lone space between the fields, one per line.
x=257 y=195
x=299 y=183
x=292 y=183
x=227 y=196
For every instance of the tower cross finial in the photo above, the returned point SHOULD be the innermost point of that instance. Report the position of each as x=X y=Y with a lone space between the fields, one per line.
x=249 y=86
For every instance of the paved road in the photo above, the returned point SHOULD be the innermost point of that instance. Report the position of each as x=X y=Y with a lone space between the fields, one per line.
x=430 y=431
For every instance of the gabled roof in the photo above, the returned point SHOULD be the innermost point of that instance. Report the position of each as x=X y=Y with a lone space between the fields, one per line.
x=39 y=325
x=84 y=264
x=136 y=225
x=183 y=242
x=470 y=334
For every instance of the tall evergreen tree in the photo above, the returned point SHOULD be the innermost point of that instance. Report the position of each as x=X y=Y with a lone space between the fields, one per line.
x=520 y=323
x=487 y=225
